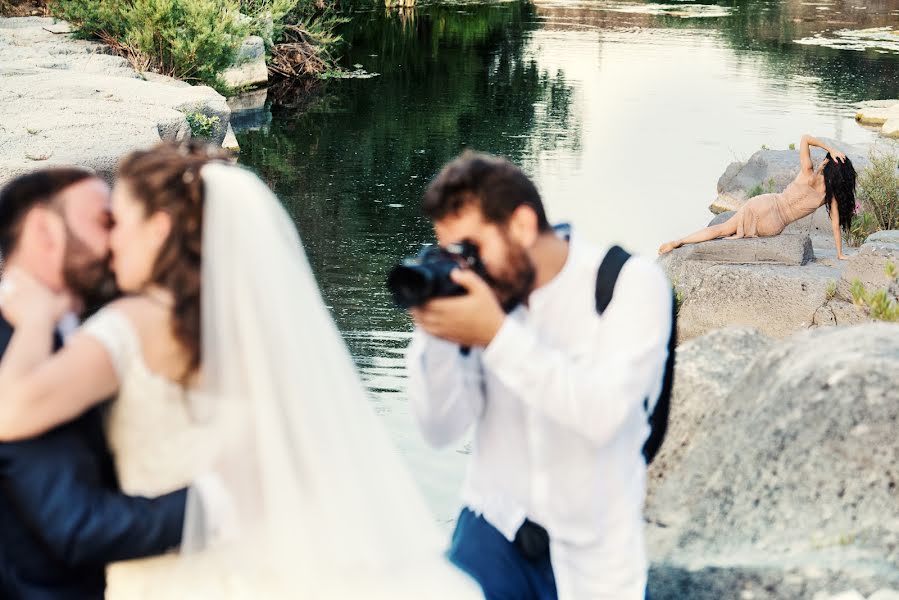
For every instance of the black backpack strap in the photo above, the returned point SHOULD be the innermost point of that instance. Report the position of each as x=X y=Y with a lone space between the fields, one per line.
x=658 y=420
x=607 y=275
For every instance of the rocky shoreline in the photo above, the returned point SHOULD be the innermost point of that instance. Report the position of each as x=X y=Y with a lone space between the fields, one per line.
x=779 y=285
x=69 y=101
x=779 y=477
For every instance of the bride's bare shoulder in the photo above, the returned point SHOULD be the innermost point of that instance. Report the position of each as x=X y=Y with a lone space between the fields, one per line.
x=142 y=311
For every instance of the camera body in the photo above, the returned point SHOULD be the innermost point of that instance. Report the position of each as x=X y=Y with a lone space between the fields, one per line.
x=418 y=279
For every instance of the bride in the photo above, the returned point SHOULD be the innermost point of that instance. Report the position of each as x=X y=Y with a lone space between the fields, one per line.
x=228 y=370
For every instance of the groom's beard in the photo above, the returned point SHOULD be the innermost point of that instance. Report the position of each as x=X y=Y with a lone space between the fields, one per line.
x=88 y=276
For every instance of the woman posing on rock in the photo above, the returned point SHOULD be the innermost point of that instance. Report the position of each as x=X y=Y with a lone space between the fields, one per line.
x=832 y=184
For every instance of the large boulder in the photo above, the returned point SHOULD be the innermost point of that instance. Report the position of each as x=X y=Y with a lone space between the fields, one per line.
x=66 y=101
x=776 y=299
x=770 y=171
x=249 y=68
x=780 y=480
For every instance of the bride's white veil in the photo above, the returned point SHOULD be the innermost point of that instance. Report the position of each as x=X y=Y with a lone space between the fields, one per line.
x=326 y=507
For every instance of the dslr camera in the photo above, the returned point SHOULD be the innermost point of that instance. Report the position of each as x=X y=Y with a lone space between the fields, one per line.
x=417 y=279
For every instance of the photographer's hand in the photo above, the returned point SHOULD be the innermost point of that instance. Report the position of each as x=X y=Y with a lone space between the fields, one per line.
x=471 y=320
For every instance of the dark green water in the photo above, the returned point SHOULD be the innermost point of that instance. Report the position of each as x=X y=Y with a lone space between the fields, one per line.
x=625 y=113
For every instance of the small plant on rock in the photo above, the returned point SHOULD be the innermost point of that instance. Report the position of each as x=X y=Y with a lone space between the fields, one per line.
x=201 y=125
x=882 y=304
x=863 y=225
x=879 y=188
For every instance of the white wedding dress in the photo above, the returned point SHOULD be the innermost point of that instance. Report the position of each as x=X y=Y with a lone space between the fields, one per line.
x=322 y=505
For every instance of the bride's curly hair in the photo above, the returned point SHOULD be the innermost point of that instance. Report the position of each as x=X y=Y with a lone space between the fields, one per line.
x=167 y=178
x=839 y=183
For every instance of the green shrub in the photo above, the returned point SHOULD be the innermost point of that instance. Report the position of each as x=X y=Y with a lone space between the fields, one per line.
x=201 y=125
x=193 y=40
x=878 y=188
x=880 y=305
x=863 y=225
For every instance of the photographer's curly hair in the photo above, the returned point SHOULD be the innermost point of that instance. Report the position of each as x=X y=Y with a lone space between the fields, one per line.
x=167 y=178
x=839 y=183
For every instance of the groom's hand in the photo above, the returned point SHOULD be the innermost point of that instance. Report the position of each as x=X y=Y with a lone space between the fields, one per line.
x=472 y=320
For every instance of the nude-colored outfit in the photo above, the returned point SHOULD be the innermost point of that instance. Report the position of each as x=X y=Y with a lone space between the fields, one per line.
x=769 y=214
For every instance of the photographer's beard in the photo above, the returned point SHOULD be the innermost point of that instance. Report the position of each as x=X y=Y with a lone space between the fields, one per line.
x=515 y=282
x=88 y=276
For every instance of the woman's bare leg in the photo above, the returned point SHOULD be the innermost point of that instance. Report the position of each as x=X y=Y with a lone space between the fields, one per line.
x=714 y=232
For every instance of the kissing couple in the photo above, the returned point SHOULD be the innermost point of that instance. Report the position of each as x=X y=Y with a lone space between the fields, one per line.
x=240 y=433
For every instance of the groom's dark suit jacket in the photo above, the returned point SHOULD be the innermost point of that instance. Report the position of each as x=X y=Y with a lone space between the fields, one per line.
x=63 y=517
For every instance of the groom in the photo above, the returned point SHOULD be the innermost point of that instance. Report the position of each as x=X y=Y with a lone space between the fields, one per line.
x=62 y=515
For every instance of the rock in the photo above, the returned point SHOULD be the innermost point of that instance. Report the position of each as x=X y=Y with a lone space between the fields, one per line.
x=769 y=171
x=878 y=114
x=868 y=265
x=785 y=249
x=66 y=101
x=706 y=370
x=251 y=101
x=249 y=67
x=888 y=237
x=853 y=595
x=890 y=128
x=778 y=491
x=778 y=300
x=230 y=141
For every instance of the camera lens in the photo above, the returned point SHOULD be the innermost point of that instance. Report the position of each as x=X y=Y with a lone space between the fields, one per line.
x=410 y=285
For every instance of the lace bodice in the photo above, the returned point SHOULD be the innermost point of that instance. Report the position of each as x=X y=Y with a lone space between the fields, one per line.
x=157 y=444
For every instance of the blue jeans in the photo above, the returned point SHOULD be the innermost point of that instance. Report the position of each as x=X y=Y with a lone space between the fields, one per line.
x=496 y=564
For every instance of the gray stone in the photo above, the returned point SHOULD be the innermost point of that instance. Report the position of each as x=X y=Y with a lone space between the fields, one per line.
x=230 y=142
x=706 y=370
x=249 y=67
x=778 y=300
x=777 y=491
x=66 y=101
x=890 y=129
x=877 y=114
x=868 y=266
x=889 y=237
x=784 y=249
x=251 y=101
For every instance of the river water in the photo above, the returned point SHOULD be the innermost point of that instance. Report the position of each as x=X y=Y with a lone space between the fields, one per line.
x=625 y=113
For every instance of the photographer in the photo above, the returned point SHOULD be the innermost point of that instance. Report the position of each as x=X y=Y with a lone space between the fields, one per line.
x=555 y=391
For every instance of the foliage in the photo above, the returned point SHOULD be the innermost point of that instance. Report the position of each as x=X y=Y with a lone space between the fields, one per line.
x=760 y=189
x=831 y=290
x=201 y=125
x=879 y=188
x=863 y=225
x=882 y=304
x=193 y=40
x=792 y=146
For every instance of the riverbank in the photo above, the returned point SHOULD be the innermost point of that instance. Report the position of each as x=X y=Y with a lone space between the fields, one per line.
x=68 y=101
x=780 y=285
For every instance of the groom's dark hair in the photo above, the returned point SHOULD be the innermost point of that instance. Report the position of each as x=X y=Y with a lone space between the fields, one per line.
x=22 y=194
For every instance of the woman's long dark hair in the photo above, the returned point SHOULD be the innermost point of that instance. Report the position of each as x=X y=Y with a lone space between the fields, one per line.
x=839 y=183
x=167 y=178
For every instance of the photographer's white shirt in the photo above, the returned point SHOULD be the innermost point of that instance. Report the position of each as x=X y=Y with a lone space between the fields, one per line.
x=557 y=402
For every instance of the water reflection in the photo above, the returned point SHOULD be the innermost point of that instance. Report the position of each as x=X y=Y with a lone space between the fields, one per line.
x=625 y=113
